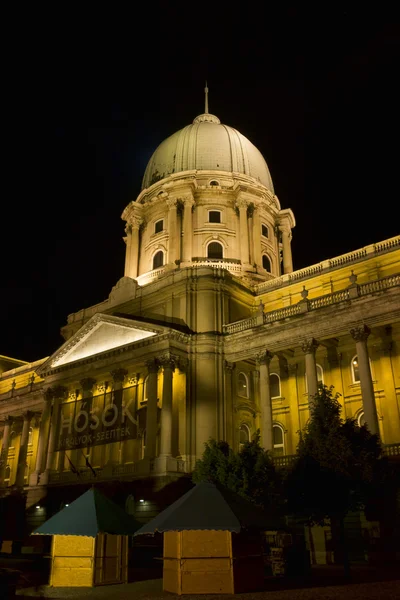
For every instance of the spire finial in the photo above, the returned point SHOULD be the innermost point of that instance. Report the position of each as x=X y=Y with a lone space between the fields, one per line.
x=206 y=99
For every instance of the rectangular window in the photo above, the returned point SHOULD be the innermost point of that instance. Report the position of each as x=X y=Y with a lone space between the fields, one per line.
x=264 y=230
x=159 y=226
x=214 y=216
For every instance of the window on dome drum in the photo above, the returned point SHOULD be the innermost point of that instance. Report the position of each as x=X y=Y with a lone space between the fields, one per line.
x=361 y=419
x=215 y=250
x=266 y=263
x=264 y=231
x=158 y=259
x=355 y=373
x=279 y=440
x=214 y=182
x=244 y=435
x=243 y=386
x=275 y=385
x=159 y=226
x=214 y=216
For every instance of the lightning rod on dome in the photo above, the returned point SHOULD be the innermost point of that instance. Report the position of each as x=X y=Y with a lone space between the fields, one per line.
x=206 y=99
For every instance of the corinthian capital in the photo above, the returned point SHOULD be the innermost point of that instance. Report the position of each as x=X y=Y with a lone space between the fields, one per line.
x=242 y=203
x=360 y=333
x=119 y=375
x=309 y=346
x=167 y=360
x=87 y=384
x=188 y=201
x=264 y=358
x=135 y=221
x=152 y=365
x=171 y=202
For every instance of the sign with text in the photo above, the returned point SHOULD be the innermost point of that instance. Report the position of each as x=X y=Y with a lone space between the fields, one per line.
x=103 y=419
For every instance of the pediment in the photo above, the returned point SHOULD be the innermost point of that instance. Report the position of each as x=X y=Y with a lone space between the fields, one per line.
x=101 y=333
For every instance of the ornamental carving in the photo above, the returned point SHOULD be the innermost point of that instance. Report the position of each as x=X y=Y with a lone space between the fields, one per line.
x=87 y=384
x=309 y=346
x=242 y=203
x=263 y=358
x=152 y=365
x=172 y=203
x=229 y=366
x=360 y=333
x=119 y=375
x=135 y=222
x=60 y=392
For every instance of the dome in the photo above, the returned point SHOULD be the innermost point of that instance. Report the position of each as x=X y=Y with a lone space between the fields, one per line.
x=207 y=145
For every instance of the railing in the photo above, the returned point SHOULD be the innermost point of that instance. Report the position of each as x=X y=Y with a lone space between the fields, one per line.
x=328 y=265
x=328 y=299
x=281 y=462
x=379 y=285
x=392 y=449
x=282 y=313
x=320 y=302
x=241 y=325
x=233 y=265
x=150 y=276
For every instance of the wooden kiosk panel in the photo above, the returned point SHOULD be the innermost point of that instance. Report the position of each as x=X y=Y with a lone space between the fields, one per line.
x=72 y=561
x=81 y=561
x=198 y=562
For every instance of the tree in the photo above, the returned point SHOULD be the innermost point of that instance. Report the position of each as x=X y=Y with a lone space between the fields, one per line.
x=250 y=473
x=337 y=469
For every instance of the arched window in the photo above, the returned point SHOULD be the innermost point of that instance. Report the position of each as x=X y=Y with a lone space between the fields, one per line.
x=158 y=259
x=355 y=373
x=145 y=388
x=214 y=183
x=244 y=435
x=159 y=226
x=264 y=230
x=275 y=385
x=214 y=216
x=266 y=263
x=279 y=440
x=361 y=419
x=320 y=375
x=215 y=250
x=7 y=473
x=30 y=436
x=243 y=385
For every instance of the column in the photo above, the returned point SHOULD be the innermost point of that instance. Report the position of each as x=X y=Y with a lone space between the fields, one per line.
x=309 y=348
x=229 y=415
x=173 y=240
x=23 y=449
x=188 y=203
x=360 y=335
x=151 y=413
x=257 y=237
x=43 y=432
x=243 y=230
x=59 y=394
x=168 y=364
x=267 y=440
x=4 y=448
x=132 y=247
x=287 y=250
x=128 y=242
x=87 y=386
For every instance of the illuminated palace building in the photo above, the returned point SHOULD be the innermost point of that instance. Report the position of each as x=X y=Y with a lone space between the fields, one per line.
x=209 y=334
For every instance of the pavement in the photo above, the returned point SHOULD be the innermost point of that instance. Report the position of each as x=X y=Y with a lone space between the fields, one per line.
x=324 y=583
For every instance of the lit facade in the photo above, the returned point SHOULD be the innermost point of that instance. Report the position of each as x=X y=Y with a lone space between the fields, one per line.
x=209 y=334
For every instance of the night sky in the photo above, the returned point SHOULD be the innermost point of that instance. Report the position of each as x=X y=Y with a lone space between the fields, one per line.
x=88 y=97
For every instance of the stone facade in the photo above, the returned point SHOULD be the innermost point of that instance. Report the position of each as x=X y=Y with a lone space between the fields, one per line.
x=210 y=333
